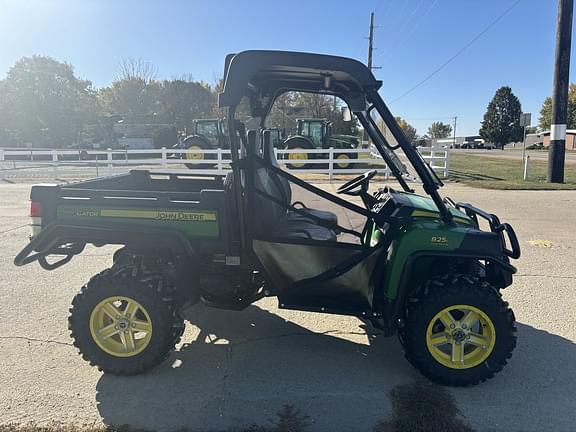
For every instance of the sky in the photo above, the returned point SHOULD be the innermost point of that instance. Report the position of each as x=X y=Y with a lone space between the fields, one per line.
x=413 y=38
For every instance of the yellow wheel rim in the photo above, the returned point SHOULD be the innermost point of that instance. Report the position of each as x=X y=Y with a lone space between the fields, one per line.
x=121 y=326
x=195 y=155
x=460 y=337
x=342 y=161
x=295 y=157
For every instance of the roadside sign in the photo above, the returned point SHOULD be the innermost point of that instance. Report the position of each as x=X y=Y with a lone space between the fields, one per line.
x=525 y=119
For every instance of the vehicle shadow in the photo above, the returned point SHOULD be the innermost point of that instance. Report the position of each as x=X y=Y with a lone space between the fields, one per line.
x=240 y=368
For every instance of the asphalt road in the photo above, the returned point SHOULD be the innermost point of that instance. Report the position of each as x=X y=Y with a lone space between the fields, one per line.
x=238 y=368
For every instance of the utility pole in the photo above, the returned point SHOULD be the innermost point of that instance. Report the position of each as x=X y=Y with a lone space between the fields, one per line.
x=369 y=64
x=557 y=150
x=370 y=40
x=371 y=43
x=454 y=134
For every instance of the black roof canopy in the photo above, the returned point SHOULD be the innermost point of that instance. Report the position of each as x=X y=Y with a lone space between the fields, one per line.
x=262 y=75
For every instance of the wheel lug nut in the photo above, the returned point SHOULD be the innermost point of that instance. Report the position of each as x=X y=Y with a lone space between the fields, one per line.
x=452 y=326
x=463 y=326
x=134 y=325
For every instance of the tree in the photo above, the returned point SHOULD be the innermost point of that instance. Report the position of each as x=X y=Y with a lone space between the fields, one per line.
x=131 y=96
x=546 y=111
x=438 y=130
x=43 y=103
x=182 y=100
x=407 y=128
x=135 y=92
x=131 y=68
x=501 y=123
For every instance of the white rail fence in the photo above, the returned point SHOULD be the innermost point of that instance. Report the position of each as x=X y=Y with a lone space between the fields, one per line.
x=95 y=163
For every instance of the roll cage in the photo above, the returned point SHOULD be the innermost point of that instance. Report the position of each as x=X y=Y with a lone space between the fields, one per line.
x=261 y=76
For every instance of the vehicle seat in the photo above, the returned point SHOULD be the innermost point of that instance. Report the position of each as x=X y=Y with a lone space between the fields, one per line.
x=273 y=219
x=284 y=185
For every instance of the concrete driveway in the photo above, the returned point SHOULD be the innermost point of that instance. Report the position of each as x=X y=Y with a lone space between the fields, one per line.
x=238 y=368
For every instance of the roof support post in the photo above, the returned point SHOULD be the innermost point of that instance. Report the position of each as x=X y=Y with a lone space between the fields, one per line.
x=237 y=179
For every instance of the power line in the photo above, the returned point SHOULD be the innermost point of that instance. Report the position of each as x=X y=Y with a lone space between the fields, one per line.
x=405 y=39
x=401 y=25
x=460 y=51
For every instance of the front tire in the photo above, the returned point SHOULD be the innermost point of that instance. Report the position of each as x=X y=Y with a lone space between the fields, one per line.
x=124 y=320
x=458 y=330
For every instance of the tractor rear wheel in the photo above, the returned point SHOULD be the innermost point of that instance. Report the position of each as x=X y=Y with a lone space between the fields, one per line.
x=197 y=145
x=458 y=330
x=299 y=143
x=124 y=320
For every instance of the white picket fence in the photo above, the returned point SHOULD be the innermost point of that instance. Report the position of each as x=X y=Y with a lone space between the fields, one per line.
x=95 y=163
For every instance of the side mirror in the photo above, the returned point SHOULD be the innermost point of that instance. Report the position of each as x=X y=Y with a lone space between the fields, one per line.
x=346 y=114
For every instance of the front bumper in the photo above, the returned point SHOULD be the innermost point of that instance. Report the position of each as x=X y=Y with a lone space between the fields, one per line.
x=510 y=244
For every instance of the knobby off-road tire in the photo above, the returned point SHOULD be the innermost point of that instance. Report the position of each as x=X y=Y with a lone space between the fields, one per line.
x=496 y=326
x=152 y=293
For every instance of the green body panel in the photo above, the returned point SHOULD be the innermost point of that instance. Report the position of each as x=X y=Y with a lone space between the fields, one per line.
x=421 y=236
x=192 y=223
x=425 y=207
x=426 y=232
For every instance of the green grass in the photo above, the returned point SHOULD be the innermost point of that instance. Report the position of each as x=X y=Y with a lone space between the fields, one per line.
x=505 y=173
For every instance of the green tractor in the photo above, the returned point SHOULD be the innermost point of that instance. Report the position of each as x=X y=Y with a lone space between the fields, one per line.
x=210 y=134
x=317 y=134
x=418 y=265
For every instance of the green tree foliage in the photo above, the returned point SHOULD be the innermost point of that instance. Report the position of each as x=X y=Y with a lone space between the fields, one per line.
x=501 y=123
x=132 y=96
x=184 y=100
x=43 y=103
x=407 y=128
x=439 y=130
x=545 y=118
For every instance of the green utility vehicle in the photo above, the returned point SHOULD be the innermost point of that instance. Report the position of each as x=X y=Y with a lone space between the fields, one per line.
x=420 y=267
x=317 y=134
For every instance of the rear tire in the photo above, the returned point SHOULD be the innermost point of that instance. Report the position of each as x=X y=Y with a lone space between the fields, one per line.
x=150 y=332
x=458 y=330
x=199 y=144
x=299 y=143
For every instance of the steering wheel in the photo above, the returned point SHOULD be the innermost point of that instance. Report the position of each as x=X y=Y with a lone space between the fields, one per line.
x=357 y=185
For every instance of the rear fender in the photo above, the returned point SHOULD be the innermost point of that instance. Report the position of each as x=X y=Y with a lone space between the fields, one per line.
x=69 y=240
